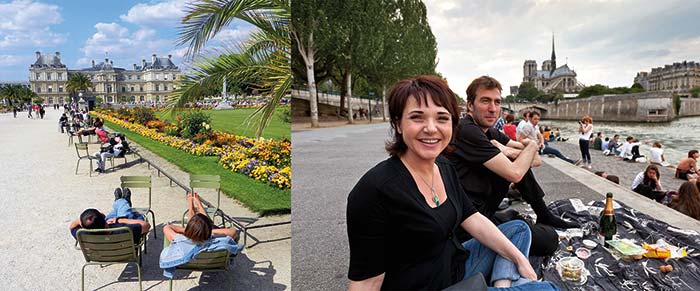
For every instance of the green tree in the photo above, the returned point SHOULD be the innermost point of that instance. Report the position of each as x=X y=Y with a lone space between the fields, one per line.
x=262 y=61
x=528 y=92
x=11 y=93
x=694 y=92
x=77 y=82
x=676 y=104
x=594 y=90
x=637 y=88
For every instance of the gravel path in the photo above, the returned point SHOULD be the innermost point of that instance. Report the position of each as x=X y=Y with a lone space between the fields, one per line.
x=42 y=195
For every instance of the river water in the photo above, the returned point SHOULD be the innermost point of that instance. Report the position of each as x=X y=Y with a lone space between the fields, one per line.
x=677 y=137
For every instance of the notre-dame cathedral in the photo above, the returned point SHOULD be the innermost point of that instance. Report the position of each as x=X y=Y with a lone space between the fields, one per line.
x=550 y=78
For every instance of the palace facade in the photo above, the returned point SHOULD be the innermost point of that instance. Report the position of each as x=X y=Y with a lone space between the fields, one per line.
x=150 y=81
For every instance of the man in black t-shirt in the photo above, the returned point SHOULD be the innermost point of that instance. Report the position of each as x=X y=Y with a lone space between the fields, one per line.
x=487 y=161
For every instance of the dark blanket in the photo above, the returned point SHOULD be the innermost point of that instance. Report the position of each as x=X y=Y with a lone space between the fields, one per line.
x=625 y=275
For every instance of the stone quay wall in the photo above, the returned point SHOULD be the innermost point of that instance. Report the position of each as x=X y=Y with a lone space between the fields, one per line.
x=636 y=107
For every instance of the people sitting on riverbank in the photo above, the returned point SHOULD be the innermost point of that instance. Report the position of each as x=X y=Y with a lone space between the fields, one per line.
x=121 y=215
x=611 y=178
x=598 y=141
x=656 y=155
x=626 y=149
x=613 y=146
x=636 y=156
x=605 y=145
x=687 y=168
x=648 y=184
x=688 y=200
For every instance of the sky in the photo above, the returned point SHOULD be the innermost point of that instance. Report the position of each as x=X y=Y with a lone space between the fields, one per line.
x=605 y=42
x=125 y=31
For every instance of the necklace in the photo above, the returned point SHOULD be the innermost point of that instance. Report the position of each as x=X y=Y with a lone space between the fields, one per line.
x=435 y=199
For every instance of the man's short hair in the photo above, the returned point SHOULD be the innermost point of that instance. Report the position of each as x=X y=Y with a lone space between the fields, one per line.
x=692 y=152
x=617 y=135
x=92 y=219
x=534 y=113
x=629 y=138
x=483 y=82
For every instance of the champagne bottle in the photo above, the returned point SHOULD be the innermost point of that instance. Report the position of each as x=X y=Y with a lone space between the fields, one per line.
x=608 y=224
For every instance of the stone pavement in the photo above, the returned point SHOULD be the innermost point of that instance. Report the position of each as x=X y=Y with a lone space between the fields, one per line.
x=329 y=161
x=42 y=194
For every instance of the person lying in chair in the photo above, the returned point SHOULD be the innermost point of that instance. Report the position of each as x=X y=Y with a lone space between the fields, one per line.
x=121 y=215
x=98 y=123
x=182 y=244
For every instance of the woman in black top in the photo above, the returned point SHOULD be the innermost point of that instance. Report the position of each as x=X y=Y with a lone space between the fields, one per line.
x=403 y=213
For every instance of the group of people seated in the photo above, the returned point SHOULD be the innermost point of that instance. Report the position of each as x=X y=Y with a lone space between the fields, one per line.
x=427 y=217
x=184 y=243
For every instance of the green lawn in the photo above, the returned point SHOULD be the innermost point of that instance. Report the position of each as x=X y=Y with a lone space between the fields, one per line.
x=233 y=121
x=257 y=196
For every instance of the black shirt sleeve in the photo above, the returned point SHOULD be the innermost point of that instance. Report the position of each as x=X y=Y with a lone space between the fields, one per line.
x=474 y=145
x=499 y=136
x=366 y=219
x=74 y=232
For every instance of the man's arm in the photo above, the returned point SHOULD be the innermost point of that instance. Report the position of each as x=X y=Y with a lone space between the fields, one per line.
x=513 y=171
x=374 y=283
x=145 y=226
x=74 y=224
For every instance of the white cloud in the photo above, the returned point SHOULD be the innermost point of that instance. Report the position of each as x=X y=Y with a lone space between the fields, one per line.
x=122 y=46
x=605 y=43
x=14 y=60
x=164 y=13
x=27 y=24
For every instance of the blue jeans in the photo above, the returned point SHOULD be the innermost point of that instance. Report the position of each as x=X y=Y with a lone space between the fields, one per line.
x=547 y=150
x=121 y=208
x=485 y=261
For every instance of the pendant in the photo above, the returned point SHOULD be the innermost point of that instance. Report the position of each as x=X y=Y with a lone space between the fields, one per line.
x=436 y=200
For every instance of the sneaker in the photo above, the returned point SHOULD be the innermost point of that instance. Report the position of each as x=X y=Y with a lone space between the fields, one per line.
x=589 y=167
x=127 y=195
x=117 y=193
x=505 y=203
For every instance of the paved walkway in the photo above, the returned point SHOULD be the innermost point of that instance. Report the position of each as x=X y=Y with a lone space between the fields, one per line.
x=329 y=161
x=42 y=195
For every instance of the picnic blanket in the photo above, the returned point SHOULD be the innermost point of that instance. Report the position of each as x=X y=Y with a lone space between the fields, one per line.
x=607 y=273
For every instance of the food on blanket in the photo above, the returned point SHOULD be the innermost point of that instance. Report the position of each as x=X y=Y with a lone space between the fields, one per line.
x=570 y=248
x=626 y=249
x=656 y=252
x=666 y=269
x=570 y=268
x=583 y=253
x=608 y=225
x=589 y=244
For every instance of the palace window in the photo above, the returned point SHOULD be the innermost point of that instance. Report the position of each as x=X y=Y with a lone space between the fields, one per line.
x=157 y=87
x=50 y=89
x=123 y=89
x=165 y=87
x=38 y=89
x=38 y=76
x=60 y=88
x=109 y=99
x=132 y=88
x=48 y=76
x=60 y=76
x=140 y=88
x=109 y=88
x=138 y=77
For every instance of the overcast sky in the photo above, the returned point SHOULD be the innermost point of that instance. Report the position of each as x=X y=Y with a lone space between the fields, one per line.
x=85 y=30
x=606 y=42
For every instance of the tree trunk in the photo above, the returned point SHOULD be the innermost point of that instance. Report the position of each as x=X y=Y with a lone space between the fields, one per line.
x=384 y=102
x=311 y=83
x=349 y=92
x=343 y=92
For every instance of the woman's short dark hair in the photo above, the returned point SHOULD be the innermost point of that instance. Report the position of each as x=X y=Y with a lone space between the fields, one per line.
x=199 y=228
x=92 y=219
x=692 y=152
x=418 y=87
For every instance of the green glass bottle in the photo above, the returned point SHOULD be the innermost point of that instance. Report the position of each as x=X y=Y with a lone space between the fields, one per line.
x=608 y=224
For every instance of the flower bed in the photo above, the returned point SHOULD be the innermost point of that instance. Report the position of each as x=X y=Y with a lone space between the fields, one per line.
x=264 y=160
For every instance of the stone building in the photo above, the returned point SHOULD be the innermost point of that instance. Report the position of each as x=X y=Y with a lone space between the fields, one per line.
x=551 y=77
x=677 y=78
x=145 y=82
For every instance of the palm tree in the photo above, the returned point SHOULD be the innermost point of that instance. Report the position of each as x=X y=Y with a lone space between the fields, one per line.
x=261 y=62
x=78 y=82
x=11 y=93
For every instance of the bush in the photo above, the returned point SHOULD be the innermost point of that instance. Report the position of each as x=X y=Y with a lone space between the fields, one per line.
x=286 y=115
x=193 y=123
x=143 y=115
x=156 y=124
x=123 y=111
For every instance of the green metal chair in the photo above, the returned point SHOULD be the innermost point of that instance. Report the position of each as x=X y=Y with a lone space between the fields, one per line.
x=83 y=147
x=216 y=261
x=208 y=182
x=107 y=247
x=132 y=182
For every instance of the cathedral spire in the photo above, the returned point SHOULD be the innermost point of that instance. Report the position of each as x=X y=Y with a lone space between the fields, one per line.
x=554 y=56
